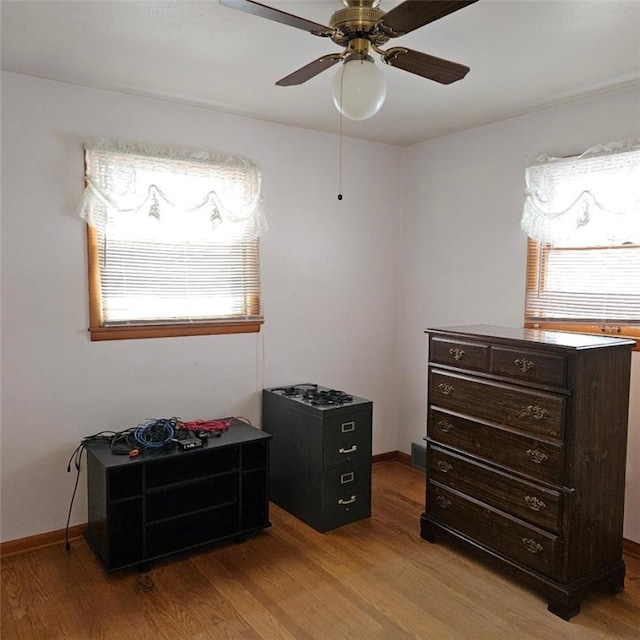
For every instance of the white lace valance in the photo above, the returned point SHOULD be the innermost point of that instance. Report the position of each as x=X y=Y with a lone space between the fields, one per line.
x=186 y=195
x=590 y=199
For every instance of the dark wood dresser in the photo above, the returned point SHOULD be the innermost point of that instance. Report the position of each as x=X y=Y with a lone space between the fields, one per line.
x=526 y=448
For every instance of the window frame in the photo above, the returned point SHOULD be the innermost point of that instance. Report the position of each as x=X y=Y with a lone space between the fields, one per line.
x=537 y=254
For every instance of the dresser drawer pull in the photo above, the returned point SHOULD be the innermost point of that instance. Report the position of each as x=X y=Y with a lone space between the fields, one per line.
x=534 y=411
x=457 y=353
x=352 y=449
x=536 y=456
x=532 y=546
x=535 y=504
x=351 y=500
x=524 y=365
x=446 y=389
x=444 y=426
x=443 y=502
x=345 y=427
x=444 y=466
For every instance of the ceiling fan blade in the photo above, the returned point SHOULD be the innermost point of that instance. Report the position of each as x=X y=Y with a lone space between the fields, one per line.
x=309 y=70
x=414 y=14
x=263 y=11
x=422 y=64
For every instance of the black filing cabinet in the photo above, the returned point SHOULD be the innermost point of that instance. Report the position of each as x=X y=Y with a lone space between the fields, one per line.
x=320 y=467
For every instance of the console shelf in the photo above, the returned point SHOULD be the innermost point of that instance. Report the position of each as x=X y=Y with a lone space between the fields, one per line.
x=145 y=508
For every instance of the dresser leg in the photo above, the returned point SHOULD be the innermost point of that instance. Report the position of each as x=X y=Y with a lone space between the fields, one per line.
x=615 y=584
x=564 y=605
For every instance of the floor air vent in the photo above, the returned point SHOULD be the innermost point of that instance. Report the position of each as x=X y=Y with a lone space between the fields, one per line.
x=419 y=456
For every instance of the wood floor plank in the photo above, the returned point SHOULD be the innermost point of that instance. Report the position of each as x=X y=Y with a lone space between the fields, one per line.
x=374 y=579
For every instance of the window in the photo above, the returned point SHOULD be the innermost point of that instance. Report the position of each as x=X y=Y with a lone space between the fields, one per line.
x=582 y=215
x=173 y=241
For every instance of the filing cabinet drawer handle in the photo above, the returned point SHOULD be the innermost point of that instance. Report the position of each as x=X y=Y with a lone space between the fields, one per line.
x=524 y=365
x=444 y=426
x=444 y=466
x=443 y=502
x=534 y=411
x=351 y=500
x=532 y=546
x=535 y=504
x=457 y=353
x=346 y=427
x=536 y=456
x=446 y=389
x=352 y=449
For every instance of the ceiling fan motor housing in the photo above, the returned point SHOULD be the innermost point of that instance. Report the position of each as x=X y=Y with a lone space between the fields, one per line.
x=357 y=21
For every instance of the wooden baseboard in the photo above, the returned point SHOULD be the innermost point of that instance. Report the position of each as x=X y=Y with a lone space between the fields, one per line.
x=631 y=548
x=48 y=539
x=396 y=456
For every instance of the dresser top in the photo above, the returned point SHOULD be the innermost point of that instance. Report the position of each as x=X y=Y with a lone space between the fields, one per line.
x=555 y=338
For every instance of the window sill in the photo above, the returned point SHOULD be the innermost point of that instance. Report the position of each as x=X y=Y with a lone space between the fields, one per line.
x=172 y=331
x=613 y=331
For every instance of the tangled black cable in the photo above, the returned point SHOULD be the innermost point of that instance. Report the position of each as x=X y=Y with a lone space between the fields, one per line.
x=76 y=459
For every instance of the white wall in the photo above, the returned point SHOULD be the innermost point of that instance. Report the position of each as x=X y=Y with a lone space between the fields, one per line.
x=329 y=280
x=463 y=254
x=346 y=298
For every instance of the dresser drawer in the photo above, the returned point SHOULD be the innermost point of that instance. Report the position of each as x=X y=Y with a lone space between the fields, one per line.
x=532 y=366
x=347 y=438
x=467 y=355
x=535 y=412
x=531 y=502
x=538 y=459
x=509 y=536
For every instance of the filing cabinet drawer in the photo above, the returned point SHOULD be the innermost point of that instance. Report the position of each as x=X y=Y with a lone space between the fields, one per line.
x=531 y=502
x=491 y=527
x=347 y=438
x=346 y=494
x=535 y=412
x=532 y=366
x=538 y=459
x=466 y=355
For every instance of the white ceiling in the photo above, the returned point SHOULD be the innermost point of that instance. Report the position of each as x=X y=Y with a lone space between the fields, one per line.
x=524 y=55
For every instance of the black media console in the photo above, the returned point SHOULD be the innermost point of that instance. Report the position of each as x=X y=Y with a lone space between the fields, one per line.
x=157 y=504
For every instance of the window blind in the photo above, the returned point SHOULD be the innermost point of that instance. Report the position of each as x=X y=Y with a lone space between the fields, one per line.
x=595 y=285
x=144 y=282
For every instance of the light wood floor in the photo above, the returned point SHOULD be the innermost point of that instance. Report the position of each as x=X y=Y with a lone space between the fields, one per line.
x=374 y=579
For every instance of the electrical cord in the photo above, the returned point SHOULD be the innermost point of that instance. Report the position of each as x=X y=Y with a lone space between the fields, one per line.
x=211 y=426
x=156 y=433
x=76 y=459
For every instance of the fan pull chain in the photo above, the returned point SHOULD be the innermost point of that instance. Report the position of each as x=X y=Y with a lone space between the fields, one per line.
x=340 y=143
x=340 y=161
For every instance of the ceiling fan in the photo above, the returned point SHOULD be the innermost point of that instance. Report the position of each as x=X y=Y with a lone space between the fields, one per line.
x=359 y=28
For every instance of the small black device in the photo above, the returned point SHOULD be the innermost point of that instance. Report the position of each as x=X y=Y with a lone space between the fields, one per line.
x=189 y=443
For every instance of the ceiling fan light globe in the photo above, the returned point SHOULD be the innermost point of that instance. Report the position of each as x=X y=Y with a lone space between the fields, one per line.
x=359 y=89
